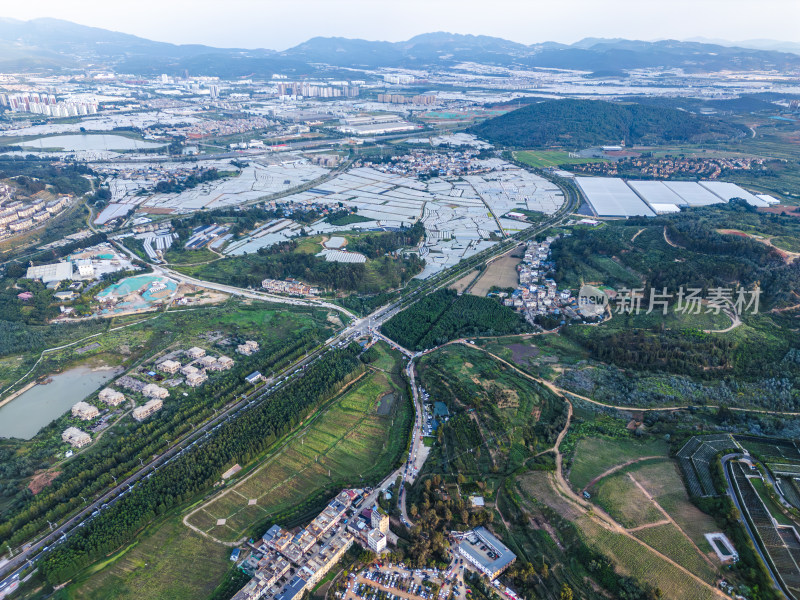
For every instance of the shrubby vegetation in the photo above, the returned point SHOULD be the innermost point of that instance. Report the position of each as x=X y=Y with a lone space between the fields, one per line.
x=375 y=245
x=241 y=220
x=444 y=316
x=168 y=186
x=32 y=175
x=704 y=258
x=753 y=364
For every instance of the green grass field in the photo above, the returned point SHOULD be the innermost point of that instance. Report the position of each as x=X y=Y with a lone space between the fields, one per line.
x=550 y=158
x=347 y=442
x=182 y=256
x=625 y=502
x=595 y=455
x=170 y=561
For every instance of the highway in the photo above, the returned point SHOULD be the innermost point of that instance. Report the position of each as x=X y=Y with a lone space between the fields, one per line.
x=357 y=328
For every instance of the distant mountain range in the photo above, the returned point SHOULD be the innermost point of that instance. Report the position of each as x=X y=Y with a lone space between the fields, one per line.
x=44 y=44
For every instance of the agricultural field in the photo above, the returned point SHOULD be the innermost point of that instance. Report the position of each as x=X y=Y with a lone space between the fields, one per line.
x=619 y=496
x=501 y=273
x=663 y=482
x=634 y=559
x=648 y=498
x=596 y=455
x=168 y=561
x=774 y=510
x=459 y=285
x=542 y=159
x=358 y=437
x=670 y=541
x=544 y=503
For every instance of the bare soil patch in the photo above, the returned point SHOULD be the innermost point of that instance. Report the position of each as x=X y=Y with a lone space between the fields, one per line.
x=42 y=480
x=501 y=273
x=461 y=284
x=523 y=353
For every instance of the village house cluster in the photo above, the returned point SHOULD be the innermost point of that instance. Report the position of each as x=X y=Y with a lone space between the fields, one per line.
x=664 y=168
x=536 y=294
x=17 y=216
x=419 y=162
x=210 y=127
x=291 y=287
x=285 y=564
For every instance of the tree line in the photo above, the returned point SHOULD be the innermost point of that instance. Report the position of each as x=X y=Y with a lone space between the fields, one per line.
x=238 y=441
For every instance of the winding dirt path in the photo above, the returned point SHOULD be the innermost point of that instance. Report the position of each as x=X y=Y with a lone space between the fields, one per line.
x=591 y=511
x=666 y=239
x=566 y=393
x=669 y=518
x=608 y=472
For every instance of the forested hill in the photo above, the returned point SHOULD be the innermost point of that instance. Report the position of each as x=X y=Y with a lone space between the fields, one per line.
x=578 y=124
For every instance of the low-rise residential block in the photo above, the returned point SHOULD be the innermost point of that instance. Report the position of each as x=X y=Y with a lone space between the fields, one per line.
x=196 y=379
x=151 y=390
x=75 y=437
x=140 y=413
x=85 y=411
x=248 y=348
x=111 y=397
x=196 y=352
x=169 y=366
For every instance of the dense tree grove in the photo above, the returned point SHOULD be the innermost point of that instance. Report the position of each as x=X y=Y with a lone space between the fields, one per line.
x=240 y=440
x=444 y=316
x=376 y=245
x=363 y=305
x=673 y=351
x=581 y=123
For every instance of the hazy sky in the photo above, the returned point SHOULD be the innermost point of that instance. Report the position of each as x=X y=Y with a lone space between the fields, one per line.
x=280 y=24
